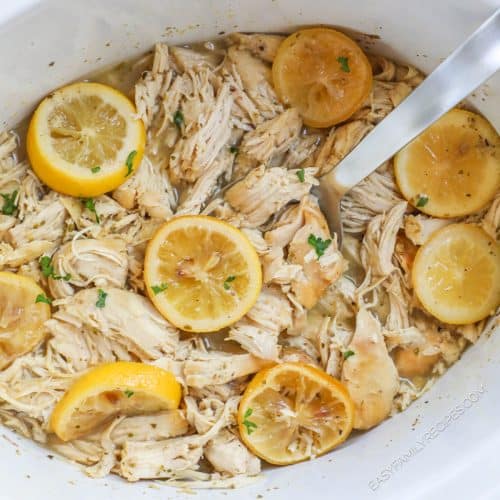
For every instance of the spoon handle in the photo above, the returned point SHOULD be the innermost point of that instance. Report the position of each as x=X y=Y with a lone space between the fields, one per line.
x=464 y=70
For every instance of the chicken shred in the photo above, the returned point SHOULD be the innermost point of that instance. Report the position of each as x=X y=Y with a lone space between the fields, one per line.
x=258 y=331
x=265 y=191
x=81 y=262
x=369 y=374
x=260 y=45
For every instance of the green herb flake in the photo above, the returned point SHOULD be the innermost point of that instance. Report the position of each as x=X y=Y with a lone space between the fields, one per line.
x=159 y=288
x=250 y=426
x=348 y=354
x=101 y=298
x=94 y=170
x=301 y=174
x=227 y=282
x=43 y=298
x=178 y=119
x=129 y=162
x=344 y=64
x=9 y=203
x=48 y=269
x=89 y=204
x=318 y=244
x=128 y=393
x=45 y=266
x=422 y=200
x=234 y=150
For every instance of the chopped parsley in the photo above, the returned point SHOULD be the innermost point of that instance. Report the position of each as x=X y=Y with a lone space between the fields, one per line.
x=94 y=170
x=234 y=150
x=159 y=288
x=101 y=300
x=348 y=354
x=422 y=200
x=48 y=269
x=43 y=298
x=318 y=244
x=9 y=203
x=301 y=174
x=250 y=426
x=128 y=393
x=178 y=119
x=90 y=206
x=227 y=282
x=344 y=64
x=129 y=162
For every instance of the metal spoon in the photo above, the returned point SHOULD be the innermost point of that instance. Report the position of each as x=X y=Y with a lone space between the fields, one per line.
x=465 y=69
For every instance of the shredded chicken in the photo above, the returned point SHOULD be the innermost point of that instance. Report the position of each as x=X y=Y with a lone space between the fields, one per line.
x=419 y=228
x=339 y=143
x=155 y=459
x=318 y=271
x=258 y=331
x=491 y=221
x=266 y=191
x=220 y=143
x=206 y=184
x=384 y=98
x=155 y=427
x=215 y=368
x=82 y=262
x=260 y=45
x=127 y=318
x=369 y=373
x=227 y=454
x=148 y=89
x=46 y=224
x=149 y=189
x=380 y=239
x=374 y=195
x=255 y=76
x=206 y=136
x=273 y=137
x=192 y=60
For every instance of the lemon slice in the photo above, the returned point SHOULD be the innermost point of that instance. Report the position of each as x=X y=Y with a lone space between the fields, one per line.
x=85 y=140
x=453 y=168
x=294 y=411
x=21 y=316
x=456 y=274
x=121 y=388
x=322 y=73
x=201 y=273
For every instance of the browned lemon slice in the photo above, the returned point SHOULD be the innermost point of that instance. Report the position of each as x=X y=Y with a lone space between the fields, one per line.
x=21 y=316
x=293 y=412
x=201 y=273
x=453 y=168
x=456 y=274
x=322 y=73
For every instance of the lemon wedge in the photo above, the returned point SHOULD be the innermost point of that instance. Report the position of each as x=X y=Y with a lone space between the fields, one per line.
x=322 y=73
x=456 y=274
x=201 y=273
x=85 y=140
x=121 y=388
x=23 y=310
x=294 y=411
x=453 y=168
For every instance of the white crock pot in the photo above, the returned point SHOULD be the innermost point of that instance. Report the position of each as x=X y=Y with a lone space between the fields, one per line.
x=446 y=444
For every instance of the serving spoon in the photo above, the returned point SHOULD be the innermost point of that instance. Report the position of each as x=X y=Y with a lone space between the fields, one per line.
x=471 y=64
